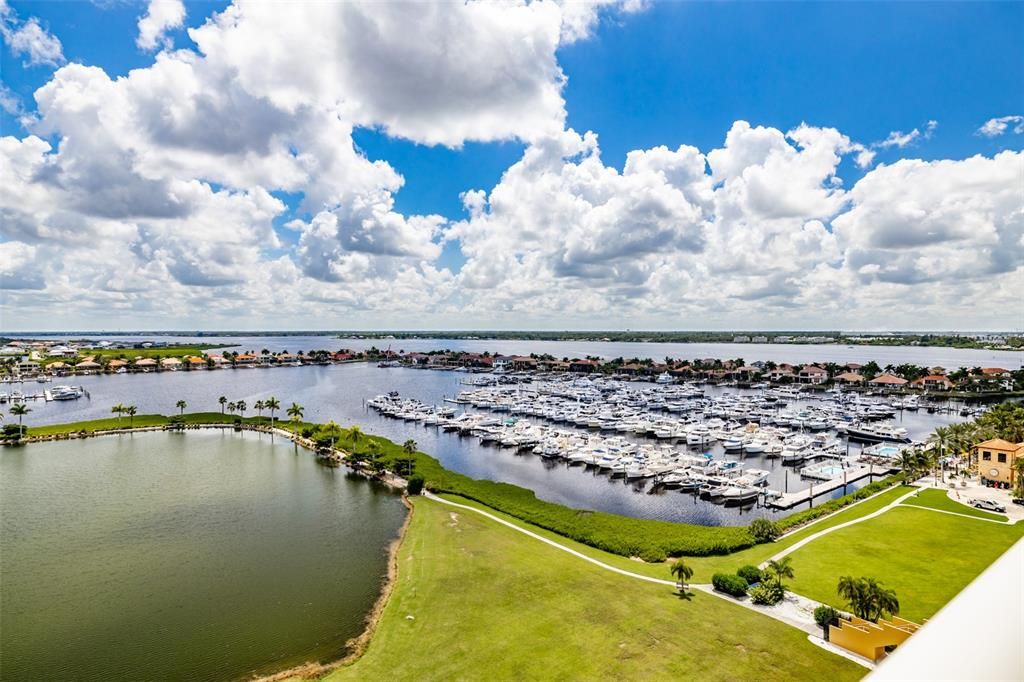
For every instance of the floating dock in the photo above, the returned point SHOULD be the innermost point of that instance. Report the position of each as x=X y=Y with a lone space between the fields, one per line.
x=788 y=500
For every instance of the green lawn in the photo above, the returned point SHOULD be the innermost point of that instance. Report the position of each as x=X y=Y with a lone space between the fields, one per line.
x=138 y=421
x=938 y=499
x=927 y=558
x=476 y=600
x=705 y=567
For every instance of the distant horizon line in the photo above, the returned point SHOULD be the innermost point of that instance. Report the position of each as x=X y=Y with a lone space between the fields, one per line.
x=324 y=332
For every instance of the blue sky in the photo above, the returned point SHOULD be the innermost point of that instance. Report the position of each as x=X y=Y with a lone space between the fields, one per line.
x=672 y=74
x=681 y=73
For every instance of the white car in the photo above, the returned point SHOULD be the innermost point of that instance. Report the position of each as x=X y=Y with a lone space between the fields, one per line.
x=990 y=505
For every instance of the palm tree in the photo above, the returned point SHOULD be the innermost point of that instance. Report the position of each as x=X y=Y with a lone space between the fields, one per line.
x=222 y=400
x=781 y=569
x=296 y=414
x=181 y=405
x=682 y=572
x=333 y=430
x=868 y=598
x=272 y=406
x=232 y=407
x=240 y=406
x=410 y=448
x=258 y=406
x=908 y=462
x=20 y=410
x=356 y=434
x=131 y=411
x=118 y=410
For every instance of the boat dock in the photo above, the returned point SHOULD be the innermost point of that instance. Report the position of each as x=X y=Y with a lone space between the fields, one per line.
x=855 y=473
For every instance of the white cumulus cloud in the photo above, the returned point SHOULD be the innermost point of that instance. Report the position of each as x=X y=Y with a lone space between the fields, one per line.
x=160 y=17
x=29 y=39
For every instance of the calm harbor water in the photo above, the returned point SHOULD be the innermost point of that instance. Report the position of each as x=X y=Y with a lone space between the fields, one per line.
x=950 y=358
x=199 y=556
x=338 y=392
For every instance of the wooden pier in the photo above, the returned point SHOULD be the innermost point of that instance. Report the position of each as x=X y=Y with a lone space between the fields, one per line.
x=789 y=500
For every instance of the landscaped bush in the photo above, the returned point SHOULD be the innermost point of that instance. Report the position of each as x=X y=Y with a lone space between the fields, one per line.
x=752 y=574
x=824 y=616
x=415 y=486
x=767 y=593
x=764 y=530
x=729 y=583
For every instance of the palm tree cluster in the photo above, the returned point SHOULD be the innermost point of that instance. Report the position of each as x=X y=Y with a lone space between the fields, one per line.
x=129 y=410
x=867 y=598
x=1005 y=421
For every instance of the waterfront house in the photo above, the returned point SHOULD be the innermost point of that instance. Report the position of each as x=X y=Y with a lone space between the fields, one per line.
x=888 y=381
x=812 y=374
x=245 y=360
x=995 y=460
x=195 y=362
x=145 y=364
x=850 y=379
x=117 y=364
x=88 y=366
x=341 y=356
x=937 y=382
x=583 y=365
x=853 y=366
x=995 y=373
x=173 y=364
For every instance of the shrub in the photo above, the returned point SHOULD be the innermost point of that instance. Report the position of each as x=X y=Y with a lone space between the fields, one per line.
x=825 y=615
x=752 y=574
x=415 y=485
x=12 y=431
x=767 y=593
x=729 y=583
x=764 y=530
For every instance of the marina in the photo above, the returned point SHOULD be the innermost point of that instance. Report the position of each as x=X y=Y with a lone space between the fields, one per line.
x=573 y=421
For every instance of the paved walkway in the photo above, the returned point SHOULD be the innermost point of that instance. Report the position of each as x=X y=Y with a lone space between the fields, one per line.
x=795 y=610
x=797 y=545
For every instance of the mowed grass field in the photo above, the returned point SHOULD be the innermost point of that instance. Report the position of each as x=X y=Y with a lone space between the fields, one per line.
x=705 y=567
x=938 y=499
x=926 y=557
x=477 y=600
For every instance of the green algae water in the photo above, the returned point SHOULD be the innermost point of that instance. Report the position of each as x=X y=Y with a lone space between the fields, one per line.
x=198 y=556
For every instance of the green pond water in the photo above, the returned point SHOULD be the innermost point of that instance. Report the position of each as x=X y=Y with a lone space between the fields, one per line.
x=199 y=556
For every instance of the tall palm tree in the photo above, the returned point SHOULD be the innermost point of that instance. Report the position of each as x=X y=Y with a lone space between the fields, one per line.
x=682 y=572
x=410 y=448
x=258 y=406
x=131 y=411
x=118 y=410
x=232 y=407
x=272 y=405
x=356 y=434
x=241 y=406
x=20 y=410
x=296 y=414
x=223 y=401
x=854 y=591
x=181 y=405
x=333 y=430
